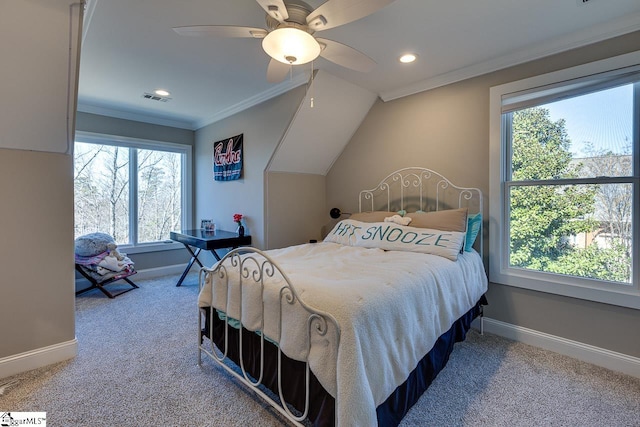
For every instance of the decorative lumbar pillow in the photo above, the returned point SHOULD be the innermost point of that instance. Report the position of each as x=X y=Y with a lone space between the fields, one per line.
x=372 y=216
x=473 y=227
x=446 y=220
x=393 y=237
x=93 y=244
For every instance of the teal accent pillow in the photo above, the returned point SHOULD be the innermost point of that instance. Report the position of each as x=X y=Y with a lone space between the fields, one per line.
x=402 y=212
x=473 y=227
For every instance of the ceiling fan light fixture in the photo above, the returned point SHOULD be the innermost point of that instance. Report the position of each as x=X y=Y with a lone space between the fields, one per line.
x=318 y=22
x=273 y=11
x=291 y=46
x=407 y=58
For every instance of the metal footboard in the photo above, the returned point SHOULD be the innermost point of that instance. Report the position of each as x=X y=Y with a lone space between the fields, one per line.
x=254 y=268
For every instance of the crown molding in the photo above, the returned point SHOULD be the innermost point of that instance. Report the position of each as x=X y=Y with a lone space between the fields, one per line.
x=274 y=91
x=615 y=28
x=134 y=116
x=575 y=40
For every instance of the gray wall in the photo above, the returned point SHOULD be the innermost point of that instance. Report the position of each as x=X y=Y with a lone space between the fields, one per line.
x=36 y=285
x=36 y=187
x=447 y=129
x=263 y=127
x=131 y=129
x=120 y=127
x=295 y=208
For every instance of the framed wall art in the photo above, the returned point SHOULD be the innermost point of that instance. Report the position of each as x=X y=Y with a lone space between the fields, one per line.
x=227 y=159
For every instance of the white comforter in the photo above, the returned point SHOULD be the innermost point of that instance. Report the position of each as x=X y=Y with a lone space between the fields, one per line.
x=390 y=306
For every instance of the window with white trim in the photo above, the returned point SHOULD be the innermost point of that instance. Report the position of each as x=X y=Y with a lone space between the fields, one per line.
x=565 y=182
x=135 y=190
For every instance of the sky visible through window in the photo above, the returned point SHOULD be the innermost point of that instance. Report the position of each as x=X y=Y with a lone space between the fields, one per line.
x=603 y=118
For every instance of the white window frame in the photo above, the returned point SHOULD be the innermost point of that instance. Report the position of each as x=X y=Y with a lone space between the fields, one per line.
x=499 y=269
x=187 y=185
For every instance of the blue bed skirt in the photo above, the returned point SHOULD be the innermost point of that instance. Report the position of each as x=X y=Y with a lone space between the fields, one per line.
x=391 y=412
x=322 y=404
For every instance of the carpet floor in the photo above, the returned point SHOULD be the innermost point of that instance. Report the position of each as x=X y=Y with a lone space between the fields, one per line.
x=136 y=365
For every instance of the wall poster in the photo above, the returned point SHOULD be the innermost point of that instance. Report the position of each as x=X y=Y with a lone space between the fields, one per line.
x=227 y=159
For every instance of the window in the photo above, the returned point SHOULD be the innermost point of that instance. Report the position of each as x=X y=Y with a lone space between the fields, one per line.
x=135 y=190
x=564 y=197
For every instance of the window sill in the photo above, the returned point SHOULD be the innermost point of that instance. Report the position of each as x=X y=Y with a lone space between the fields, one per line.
x=167 y=245
x=621 y=295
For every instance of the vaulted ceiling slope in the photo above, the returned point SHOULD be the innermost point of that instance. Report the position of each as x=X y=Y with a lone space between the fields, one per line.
x=319 y=131
x=130 y=49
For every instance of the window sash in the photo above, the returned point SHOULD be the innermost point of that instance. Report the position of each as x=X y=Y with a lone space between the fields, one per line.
x=543 y=89
x=569 y=89
x=134 y=246
x=604 y=283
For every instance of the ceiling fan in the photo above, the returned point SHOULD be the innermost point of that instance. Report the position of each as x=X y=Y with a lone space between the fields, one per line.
x=289 y=38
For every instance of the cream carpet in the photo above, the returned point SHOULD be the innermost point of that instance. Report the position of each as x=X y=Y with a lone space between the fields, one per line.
x=137 y=366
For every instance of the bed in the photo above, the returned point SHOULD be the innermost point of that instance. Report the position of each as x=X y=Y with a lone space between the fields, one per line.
x=351 y=331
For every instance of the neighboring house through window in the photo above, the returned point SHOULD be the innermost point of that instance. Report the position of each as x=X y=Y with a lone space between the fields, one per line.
x=565 y=182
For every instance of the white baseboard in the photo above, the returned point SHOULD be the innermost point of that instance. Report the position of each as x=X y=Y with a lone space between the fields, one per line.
x=149 y=273
x=587 y=353
x=38 y=358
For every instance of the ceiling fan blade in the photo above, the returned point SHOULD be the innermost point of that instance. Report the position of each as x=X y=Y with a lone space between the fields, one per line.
x=339 y=12
x=277 y=71
x=275 y=8
x=221 y=31
x=345 y=56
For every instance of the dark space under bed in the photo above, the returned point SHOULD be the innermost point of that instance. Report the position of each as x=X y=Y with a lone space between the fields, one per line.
x=321 y=403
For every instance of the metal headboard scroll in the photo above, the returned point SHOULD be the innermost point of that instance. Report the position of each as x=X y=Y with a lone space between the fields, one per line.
x=420 y=189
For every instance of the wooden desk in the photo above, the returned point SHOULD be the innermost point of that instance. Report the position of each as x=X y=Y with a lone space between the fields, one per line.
x=209 y=241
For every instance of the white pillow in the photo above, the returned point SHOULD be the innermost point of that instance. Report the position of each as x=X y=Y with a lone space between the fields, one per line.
x=394 y=237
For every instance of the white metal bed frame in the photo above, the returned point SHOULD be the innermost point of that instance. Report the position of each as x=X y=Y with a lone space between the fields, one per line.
x=420 y=188
x=255 y=267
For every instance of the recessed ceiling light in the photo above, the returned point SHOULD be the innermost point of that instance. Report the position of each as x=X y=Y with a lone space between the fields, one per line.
x=407 y=58
x=161 y=92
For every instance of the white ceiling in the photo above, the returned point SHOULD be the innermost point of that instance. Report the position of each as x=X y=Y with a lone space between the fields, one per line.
x=129 y=48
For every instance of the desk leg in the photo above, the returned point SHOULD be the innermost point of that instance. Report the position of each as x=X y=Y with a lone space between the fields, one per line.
x=215 y=254
x=194 y=258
